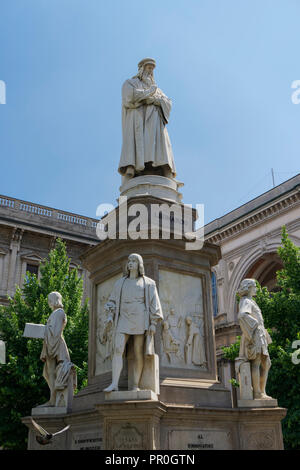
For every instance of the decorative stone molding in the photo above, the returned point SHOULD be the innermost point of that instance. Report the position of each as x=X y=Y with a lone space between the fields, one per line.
x=254 y=219
x=28 y=258
x=261 y=440
x=46 y=219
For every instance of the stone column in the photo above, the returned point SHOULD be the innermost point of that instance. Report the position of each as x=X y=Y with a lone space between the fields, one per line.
x=14 y=247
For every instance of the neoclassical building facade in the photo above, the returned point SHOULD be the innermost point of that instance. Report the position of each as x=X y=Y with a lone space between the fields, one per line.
x=249 y=237
x=28 y=232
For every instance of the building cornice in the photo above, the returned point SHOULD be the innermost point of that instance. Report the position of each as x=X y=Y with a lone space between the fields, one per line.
x=47 y=220
x=255 y=217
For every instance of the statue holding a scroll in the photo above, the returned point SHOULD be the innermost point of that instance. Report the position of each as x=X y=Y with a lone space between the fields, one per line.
x=59 y=371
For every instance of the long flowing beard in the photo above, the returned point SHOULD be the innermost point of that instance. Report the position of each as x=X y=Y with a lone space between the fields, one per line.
x=148 y=79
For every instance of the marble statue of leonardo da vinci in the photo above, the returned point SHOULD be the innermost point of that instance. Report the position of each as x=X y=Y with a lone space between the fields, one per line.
x=146 y=109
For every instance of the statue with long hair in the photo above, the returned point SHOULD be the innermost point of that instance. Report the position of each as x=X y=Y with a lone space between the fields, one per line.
x=255 y=338
x=133 y=310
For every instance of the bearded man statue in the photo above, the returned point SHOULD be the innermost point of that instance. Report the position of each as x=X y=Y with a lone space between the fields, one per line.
x=146 y=109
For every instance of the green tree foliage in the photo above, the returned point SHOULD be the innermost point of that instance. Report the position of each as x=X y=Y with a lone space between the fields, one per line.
x=22 y=385
x=281 y=312
x=232 y=351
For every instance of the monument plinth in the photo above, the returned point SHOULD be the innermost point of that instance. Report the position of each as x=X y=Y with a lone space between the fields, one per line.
x=152 y=185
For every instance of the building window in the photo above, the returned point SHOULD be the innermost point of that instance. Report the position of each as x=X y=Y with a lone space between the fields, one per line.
x=214 y=294
x=33 y=269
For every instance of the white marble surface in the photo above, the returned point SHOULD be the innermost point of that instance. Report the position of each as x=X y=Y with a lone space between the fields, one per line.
x=270 y=403
x=200 y=439
x=48 y=410
x=145 y=113
x=255 y=338
x=2 y=352
x=131 y=395
x=59 y=372
x=153 y=185
x=33 y=330
x=243 y=371
x=183 y=294
x=104 y=349
x=133 y=311
x=150 y=374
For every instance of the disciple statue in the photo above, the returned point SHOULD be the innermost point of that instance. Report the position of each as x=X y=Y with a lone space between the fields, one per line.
x=174 y=322
x=194 y=347
x=58 y=369
x=133 y=310
x=170 y=343
x=255 y=338
x=104 y=335
x=146 y=109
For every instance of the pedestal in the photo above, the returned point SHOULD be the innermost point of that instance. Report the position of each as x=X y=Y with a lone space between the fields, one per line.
x=152 y=185
x=48 y=410
x=243 y=371
x=246 y=400
x=63 y=403
x=130 y=395
x=131 y=426
x=269 y=403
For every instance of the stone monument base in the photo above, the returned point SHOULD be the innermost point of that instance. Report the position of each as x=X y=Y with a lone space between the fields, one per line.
x=131 y=395
x=155 y=425
x=48 y=410
x=269 y=403
x=152 y=185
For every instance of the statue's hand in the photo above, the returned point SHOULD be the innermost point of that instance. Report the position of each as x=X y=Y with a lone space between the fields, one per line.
x=108 y=322
x=152 y=89
x=109 y=307
x=152 y=330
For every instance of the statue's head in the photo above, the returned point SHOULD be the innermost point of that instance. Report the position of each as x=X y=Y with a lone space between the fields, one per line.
x=189 y=320
x=135 y=262
x=247 y=287
x=145 y=70
x=55 y=300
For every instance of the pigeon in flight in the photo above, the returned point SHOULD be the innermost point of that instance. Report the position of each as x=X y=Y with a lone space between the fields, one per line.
x=44 y=437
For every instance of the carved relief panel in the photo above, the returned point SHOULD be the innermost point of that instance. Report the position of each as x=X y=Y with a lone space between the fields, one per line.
x=103 y=336
x=183 y=338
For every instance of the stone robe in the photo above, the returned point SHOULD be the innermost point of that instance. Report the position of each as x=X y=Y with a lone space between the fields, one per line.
x=55 y=348
x=255 y=338
x=194 y=347
x=145 y=137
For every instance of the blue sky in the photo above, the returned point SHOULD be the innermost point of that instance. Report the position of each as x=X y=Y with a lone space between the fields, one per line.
x=227 y=65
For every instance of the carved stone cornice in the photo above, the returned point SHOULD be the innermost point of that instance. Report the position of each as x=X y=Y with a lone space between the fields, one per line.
x=254 y=218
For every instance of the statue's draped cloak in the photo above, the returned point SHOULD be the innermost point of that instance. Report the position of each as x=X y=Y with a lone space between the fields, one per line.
x=198 y=354
x=153 y=311
x=255 y=338
x=54 y=347
x=145 y=137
